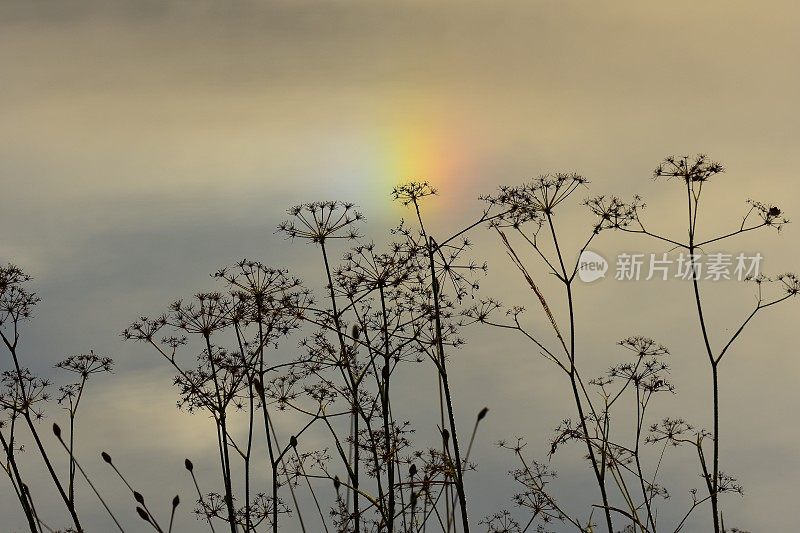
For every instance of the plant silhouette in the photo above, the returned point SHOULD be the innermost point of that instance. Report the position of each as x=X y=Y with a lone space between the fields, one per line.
x=387 y=322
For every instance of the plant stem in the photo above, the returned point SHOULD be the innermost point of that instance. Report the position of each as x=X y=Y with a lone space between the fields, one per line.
x=442 y=364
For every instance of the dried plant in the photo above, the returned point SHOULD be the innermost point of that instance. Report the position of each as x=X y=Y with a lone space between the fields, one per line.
x=529 y=216
x=24 y=396
x=387 y=308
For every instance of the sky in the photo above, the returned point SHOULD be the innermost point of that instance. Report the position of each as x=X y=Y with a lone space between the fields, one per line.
x=143 y=145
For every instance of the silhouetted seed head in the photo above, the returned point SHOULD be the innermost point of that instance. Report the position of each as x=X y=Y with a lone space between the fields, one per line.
x=293 y=442
x=527 y=202
x=138 y=497
x=336 y=483
x=320 y=221
x=769 y=214
x=188 y=464
x=356 y=332
x=106 y=457
x=142 y=514
x=482 y=413
x=16 y=302
x=697 y=169
x=791 y=283
x=412 y=471
x=176 y=501
x=613 y=213
x=86 y=364
x=57 y=430
x=413 y=192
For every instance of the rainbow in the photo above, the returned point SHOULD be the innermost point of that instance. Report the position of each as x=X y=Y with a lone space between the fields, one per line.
x=418 y=141
x=412 y=144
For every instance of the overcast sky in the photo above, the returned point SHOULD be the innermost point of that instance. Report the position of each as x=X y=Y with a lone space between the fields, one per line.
x=144 y=145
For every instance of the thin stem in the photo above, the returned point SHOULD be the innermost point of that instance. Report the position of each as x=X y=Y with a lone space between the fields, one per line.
x=442 y=363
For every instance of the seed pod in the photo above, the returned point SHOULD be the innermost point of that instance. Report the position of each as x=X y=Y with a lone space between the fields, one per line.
x=143 y=514
x=106 y=457
x=57 y=430
x=176 y=501
x=188 y=464
x=138 y=497
x=482 y=413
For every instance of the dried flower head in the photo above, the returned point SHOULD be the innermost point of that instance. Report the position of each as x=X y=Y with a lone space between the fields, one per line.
x=86 y=364
x=206 y=313
x=320 y=221
x=364 y=270
x=690 y=170
x=790 y=282
x=540 y=196
x=265 y=295
x=613 y=213
x=413 y=192
x=16 y=302
x=643 y=346
x=769 y=214
x=21 y=391
x=144 y=329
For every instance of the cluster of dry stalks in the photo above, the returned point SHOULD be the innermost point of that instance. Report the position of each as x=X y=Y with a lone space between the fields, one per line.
x=385 y=310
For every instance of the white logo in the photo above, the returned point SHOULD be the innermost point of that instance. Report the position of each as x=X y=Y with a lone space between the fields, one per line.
x=591 y=266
